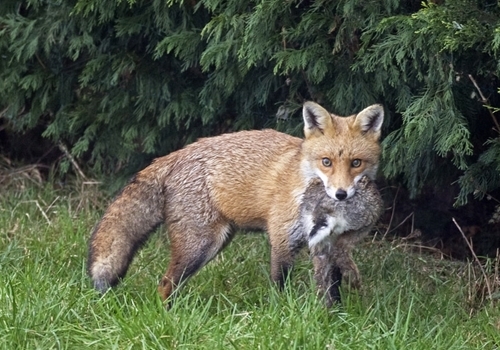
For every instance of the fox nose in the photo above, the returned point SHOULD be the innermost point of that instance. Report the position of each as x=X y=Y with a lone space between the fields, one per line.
x=341 y=195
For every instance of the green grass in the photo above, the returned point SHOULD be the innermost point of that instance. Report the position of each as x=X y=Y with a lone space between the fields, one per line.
x=408 y=300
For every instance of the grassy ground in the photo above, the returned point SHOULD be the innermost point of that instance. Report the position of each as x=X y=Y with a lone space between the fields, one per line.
x=408 y=301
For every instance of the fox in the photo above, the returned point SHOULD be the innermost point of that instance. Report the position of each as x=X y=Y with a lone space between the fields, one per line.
x=332 y=228
x=252 y=179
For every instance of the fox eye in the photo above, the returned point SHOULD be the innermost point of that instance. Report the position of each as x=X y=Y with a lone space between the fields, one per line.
x=356 y=163
x=326 y=162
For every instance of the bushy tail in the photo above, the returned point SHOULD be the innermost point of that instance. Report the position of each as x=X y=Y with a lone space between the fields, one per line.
x=127 y=223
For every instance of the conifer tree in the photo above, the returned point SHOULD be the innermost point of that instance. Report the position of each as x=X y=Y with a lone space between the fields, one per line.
x=123 y=81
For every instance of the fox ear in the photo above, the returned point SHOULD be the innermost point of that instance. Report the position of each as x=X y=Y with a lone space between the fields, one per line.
x=316 y=119
x=370 y=119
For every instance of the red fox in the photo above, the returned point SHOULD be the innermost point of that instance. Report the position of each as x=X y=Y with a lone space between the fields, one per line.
x=247 y=179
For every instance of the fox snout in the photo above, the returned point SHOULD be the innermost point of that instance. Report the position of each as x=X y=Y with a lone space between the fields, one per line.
x=360 y=183
x=340 y=194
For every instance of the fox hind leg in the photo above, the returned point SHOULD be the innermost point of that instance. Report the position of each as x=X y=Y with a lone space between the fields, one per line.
x=191 y=250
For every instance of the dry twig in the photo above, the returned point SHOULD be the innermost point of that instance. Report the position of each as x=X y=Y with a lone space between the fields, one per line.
x=484 y=100
x=488 y=286
x=392 y=214
x=64 y=149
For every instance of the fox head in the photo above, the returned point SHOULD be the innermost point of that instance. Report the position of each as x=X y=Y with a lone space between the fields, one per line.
x=340 y=150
